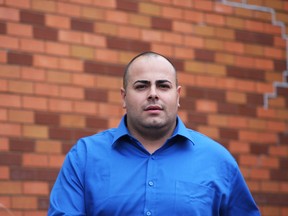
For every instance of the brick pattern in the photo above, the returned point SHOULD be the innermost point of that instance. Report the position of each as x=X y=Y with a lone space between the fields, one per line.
x=61 y=64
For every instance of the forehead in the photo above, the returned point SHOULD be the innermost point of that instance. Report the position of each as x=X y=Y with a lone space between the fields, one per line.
x=151 y=68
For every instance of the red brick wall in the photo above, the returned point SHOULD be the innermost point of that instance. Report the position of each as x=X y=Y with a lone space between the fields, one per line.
x=61 y=64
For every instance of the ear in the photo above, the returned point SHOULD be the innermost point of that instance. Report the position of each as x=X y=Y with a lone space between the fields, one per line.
x=178 y=92
x=123 y=95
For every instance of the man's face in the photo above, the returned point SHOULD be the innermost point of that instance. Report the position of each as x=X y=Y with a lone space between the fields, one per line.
x=151 y=97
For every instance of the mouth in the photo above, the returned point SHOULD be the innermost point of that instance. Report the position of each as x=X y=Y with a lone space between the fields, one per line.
x=153 y=108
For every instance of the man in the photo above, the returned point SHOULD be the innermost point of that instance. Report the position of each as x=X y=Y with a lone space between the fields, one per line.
x=151 y=164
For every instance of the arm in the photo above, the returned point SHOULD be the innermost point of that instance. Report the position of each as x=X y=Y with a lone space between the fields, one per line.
x=67 y=195
x=240 y=201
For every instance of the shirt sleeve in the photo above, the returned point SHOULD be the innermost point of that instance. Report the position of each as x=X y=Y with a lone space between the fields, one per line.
x=240 y=200
x=67 y=195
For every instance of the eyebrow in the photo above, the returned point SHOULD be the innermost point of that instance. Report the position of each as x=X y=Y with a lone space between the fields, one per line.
x=148 y=82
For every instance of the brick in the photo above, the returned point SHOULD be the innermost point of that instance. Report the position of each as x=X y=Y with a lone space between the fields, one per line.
x=257 y=137
x=10 y=100
x=93 y=13
x=270 y=162
x=236 y=147
x=3 y=56
x=46 y=61
x=35 y=188
x=30 y=45
x=82 y=52
x=4 y=173
x=107 y=56
x=9 y=14
x=56 y=161
x=71 y=64
x=204 y=55
x=68 y=9
x=71 y=92
x=20 y=4
x=35 y=160
x=3 y=85
x=85 y=107
x=108 y=82
x=279 y=65
x=259 y=149
x=122 y=44
x=94 y=40
x=129 y=32
x=106 y=4
x=234 y=47
x=203 y=5
x=96 y=122
x=4 y=144
x=217 y=120
x=24 y=202
x=214 y=19
x=74 y=121
x=81 y=25
x=32 y=17
x=272 y=52
x=236 y=97
x=149 y=9
x=99 y=68
x=57 y=21
x=279 y=175
x=96 y=95
x=161 y=23
x=183 y=27
x=44 y=5
x=60 y=105
x=10 y=187
x=184 y=53
x=214 y=44
x=253 y=49
x=3 y=114
x=45 y=33
x=237 y=122
x=206 y=106
x=11 y=159
x=117 y=17
x=30 y=73
x=19 y=29
x=114 y=97
x=35 y=103
x=83 y=80
x=225 y=33
x=20 y=59
x=204 y=30
x=48 y=146
x=21 y=87
x=254 y=99
x=35 y=131
x=55 y=48
x=209 y=131
x=172 y=38
x=21 y=145
x=139 y=20
x=171 y=12
x=193 y=41
x=60 y=133
x=127 y=5
x=105 y=109
x=110 y=29
x=151 y=35
x=193 y=16
x=252 y=37
x=9 y=42
x=20 y=116
x=46 y=89
x=281 y=151
x=28 y=173
x=261 y=174
x=45 y=118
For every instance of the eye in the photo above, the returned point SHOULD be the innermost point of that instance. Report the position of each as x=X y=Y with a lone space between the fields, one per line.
x=164 y=86
x=140 y=87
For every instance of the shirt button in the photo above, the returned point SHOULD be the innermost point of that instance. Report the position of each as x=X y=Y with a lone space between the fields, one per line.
x=148 y=213
x=150 y=183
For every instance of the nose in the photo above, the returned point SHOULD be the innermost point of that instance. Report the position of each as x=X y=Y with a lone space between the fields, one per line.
x=153 y=93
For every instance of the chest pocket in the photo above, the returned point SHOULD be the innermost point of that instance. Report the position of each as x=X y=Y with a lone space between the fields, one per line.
x=195 y=199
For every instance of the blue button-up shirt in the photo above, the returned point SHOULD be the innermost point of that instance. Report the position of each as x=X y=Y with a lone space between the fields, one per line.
x=111 y=173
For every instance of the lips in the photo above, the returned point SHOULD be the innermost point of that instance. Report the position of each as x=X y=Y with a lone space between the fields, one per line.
x=153 y=107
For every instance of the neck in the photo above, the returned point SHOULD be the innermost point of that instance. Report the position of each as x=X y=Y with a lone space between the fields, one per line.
x=151 y=138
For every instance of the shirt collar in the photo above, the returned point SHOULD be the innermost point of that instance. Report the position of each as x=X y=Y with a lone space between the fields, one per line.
x=180 y=130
